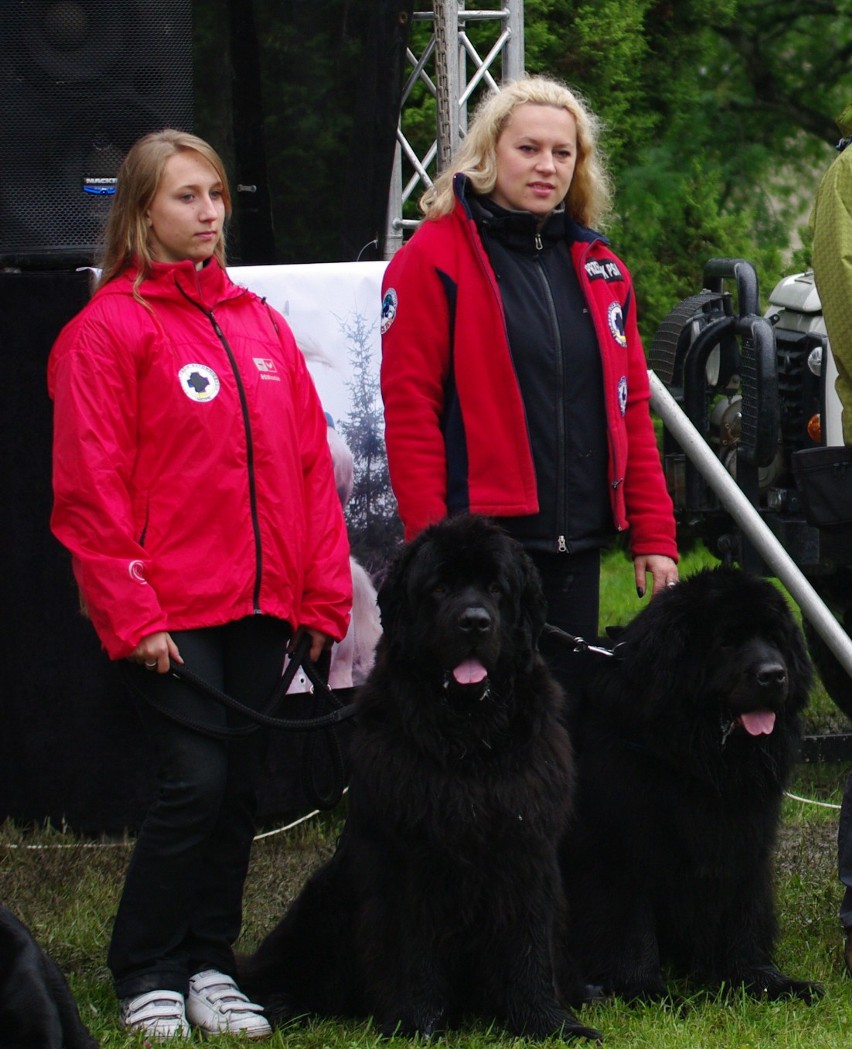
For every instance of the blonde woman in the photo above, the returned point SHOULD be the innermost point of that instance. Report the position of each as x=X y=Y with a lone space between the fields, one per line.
x=513 y=377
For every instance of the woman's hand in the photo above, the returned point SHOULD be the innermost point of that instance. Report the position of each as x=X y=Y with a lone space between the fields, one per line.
x=320 y=642
x=155 y=652
x=663 y=572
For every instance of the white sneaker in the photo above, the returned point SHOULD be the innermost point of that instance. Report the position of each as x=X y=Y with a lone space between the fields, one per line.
x=159 y=1014
x=216 y=1004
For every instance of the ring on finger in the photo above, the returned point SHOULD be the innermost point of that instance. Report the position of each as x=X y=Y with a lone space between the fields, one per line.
x=151 y=666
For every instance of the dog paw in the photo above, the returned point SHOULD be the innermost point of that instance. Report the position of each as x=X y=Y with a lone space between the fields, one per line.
x=578 y=1030
x=425 y=1026
x=283 y=1010
x=555 y=1024
x=808 y=991
x=768 y=983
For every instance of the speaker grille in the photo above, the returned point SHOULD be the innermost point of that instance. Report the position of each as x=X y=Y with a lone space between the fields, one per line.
x=81 y=81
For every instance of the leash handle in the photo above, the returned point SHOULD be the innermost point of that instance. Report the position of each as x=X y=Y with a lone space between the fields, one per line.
x=578 y=644
x=258 y=717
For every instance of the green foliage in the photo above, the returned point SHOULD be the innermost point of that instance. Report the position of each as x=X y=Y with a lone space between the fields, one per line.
x=717 y=117
x=672 y=220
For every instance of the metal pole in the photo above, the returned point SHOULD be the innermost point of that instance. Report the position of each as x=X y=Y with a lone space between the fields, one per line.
x=447 y=78
x=514 y=66
x=752 y=524
x=393 y=227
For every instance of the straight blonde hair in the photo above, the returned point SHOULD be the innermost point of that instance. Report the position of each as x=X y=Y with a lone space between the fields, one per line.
x=589 y=197
x=125 y=238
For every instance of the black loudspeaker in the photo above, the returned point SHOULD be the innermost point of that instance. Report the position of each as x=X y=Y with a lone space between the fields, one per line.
x=81 y=80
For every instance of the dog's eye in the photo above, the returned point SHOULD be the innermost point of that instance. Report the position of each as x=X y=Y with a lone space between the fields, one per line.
x=438 y=589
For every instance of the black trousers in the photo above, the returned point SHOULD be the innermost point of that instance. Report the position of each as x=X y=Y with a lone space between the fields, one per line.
x=181 y=906
x=572 y=586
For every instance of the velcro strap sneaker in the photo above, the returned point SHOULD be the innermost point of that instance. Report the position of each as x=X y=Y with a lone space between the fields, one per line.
x=158 y=1014
x=216 y=1005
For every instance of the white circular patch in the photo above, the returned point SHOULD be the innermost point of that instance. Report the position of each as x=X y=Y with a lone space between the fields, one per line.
x=389 y=305
x=616 y=323
x=199 y=382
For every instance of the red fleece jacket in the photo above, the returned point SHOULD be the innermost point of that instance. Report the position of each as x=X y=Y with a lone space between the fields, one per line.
x=443 y=325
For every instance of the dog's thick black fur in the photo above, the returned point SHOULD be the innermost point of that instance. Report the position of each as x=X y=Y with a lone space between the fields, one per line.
x=686 y=738
x=444 y=897
x=37 y=1009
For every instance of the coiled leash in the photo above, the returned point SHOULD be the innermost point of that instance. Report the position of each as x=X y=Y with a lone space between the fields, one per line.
x=340 y=712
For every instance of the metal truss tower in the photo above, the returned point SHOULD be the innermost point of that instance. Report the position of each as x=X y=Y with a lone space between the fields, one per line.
x=455 y=52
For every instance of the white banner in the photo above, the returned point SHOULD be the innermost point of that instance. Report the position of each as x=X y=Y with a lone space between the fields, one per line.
x=334 y=310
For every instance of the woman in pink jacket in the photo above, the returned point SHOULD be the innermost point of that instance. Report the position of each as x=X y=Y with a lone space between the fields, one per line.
x=194 y=489
x=513 y=377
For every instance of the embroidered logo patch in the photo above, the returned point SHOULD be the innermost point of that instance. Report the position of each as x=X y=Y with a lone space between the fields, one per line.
x=267 y=369
x=607 y=270
x=622 y=394
x=389 y=305
x=136 y=570
x=616 y=323
x=199 y=382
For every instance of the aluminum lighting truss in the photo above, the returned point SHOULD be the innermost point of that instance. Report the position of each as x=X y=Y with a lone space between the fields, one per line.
x=453 y=70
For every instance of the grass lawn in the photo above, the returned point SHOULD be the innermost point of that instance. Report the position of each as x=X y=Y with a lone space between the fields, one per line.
x=66 y=889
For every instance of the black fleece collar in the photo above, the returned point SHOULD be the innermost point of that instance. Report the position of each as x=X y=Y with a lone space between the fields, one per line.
x=518 y=230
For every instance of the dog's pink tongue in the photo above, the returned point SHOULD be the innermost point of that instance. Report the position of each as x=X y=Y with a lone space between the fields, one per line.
x=470 y=672
x=759 y=722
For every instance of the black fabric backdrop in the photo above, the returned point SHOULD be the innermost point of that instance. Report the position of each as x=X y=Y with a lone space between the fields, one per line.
x=71 y=748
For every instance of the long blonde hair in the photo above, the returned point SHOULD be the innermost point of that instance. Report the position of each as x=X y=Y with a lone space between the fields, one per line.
x=590 y=196
x=125 y=238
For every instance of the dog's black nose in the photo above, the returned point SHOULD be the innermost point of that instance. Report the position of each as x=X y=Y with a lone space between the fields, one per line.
x=475 y=620
x=769 y=674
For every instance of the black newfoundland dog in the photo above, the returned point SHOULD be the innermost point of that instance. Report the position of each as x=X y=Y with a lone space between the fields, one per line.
x=444 y=899
x=37 y=1009
x=685 y=740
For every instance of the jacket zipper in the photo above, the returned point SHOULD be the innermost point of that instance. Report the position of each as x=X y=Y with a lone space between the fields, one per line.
x=561 y=545
x=258 y=549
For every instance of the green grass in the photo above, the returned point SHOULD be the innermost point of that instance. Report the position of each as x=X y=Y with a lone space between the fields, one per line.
x=67 y=893
x=67 y=889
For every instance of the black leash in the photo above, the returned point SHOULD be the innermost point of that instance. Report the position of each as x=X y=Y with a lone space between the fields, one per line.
x=577 y=644
x=324 y=798
x=298 y=658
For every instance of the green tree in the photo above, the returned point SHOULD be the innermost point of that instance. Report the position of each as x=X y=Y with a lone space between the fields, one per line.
x=374 y=527
x=717 y=114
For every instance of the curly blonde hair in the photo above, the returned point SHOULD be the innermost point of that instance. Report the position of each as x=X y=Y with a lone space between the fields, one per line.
x=125 y=238
x=589 y=198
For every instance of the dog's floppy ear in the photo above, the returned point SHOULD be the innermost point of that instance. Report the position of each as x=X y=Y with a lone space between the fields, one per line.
x=533 y=608
x=392 y=591
x=655 y=646
x=799 y=666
